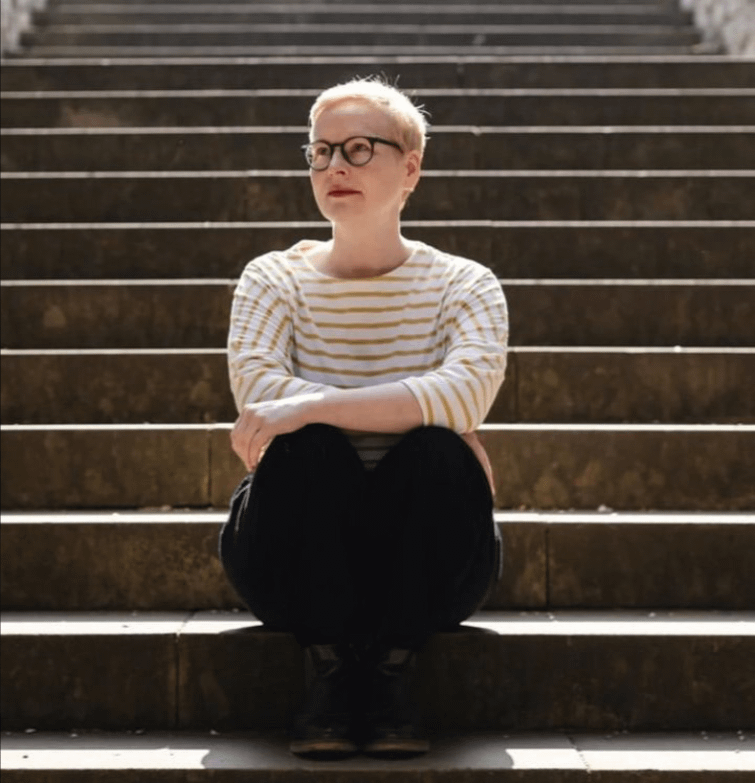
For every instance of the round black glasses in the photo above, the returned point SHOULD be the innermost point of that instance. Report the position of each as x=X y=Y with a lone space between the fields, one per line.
x=356 y=151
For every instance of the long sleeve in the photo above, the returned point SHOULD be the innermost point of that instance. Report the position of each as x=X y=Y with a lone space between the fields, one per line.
x=460 y=392
x=260 y=340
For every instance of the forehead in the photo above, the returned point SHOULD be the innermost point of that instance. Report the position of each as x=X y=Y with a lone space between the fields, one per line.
x=352 y=118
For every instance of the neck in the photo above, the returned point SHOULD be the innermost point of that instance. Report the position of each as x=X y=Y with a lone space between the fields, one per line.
x=359 y=251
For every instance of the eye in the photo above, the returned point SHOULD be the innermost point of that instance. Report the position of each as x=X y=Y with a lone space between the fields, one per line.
x=319 y=150
x=358 y=145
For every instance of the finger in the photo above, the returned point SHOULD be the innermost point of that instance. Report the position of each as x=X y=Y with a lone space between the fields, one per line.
x=240 y=442
x=255 y=447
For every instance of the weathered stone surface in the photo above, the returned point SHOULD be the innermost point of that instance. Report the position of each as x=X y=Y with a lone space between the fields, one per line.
x=531 y=671
x=243 y=757
x=391 y=36
x=491 y=106
x=582 y=681
x=104 y=467
x=632 y=385
x=378 y=51
x=677 y=467
x=525 y=250
x=242 y=677
x=623 y=466
x=263 y=196
x=524 y=581
x=405 y=14
x=151 y=314
x=168 y=561
x=159 y=563
x=692 y=71
x=92 y=149
x=628 y=313
x=729 y=24
x=600 y=562
x=122 y=387
x=119 y=314
x=89 y=670
x=113 y=564
x=226 y=469
x=542 y=385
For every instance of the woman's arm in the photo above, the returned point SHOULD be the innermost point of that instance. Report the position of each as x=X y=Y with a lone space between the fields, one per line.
x=385 y=407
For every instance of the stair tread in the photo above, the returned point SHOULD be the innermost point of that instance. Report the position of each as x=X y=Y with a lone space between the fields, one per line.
x=198 y=516
x=502 y=623
x=628 y=428
x=483 y=752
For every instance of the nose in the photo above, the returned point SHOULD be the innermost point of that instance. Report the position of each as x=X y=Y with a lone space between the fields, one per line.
x=340 y=161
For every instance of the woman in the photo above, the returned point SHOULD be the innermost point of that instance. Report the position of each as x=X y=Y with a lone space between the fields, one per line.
x=361 y=368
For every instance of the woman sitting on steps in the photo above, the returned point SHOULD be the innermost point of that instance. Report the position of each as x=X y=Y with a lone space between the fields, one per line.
x=362 y=367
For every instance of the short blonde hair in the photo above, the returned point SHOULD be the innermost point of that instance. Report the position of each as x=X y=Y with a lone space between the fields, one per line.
x=410 y=120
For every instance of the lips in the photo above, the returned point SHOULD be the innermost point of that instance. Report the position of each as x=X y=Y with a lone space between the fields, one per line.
x=342 y=192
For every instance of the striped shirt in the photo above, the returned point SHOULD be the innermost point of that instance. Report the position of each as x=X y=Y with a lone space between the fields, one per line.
x=437 y=323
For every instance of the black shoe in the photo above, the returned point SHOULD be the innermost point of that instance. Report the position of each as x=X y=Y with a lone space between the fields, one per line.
x=389 y=726
x=323 y=728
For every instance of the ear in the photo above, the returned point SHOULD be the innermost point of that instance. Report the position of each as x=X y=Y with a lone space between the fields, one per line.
x=413 y=164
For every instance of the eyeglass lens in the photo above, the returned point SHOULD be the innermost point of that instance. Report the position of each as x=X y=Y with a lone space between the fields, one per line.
x=356 y=151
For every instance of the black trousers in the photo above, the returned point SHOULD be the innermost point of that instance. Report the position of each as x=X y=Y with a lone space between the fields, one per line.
x=318 y=546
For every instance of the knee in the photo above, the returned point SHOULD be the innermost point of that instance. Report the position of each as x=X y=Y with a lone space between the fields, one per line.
x=434 y=439
x=438 y=452
x=315 y=444
x=312 y=438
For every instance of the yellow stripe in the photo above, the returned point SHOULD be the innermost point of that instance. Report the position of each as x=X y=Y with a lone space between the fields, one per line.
x=237 y=309
x=473 y=317
x=281 y=392
x=463 y=406
x=278 y=332
x=355 y=341
x=350 y=310
x=364 y=373
x=381 y=325
x=373 y=294
x=425 y=404
x=264 y=322
x=311 y=352
x=450 y=418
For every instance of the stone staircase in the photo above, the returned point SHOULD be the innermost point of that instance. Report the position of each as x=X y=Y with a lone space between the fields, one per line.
x=596 y=157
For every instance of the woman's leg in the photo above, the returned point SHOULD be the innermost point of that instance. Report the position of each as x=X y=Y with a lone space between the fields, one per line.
x=432 y=542
x=429 y=560
x=286 y=547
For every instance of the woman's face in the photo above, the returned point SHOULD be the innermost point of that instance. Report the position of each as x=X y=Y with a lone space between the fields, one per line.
x=375 y=190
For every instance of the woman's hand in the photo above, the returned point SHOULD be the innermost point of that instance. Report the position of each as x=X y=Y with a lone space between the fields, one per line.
x=258 y=423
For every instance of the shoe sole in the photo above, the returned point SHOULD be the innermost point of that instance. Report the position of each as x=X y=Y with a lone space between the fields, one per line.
x=323 y=749
x=396 y=749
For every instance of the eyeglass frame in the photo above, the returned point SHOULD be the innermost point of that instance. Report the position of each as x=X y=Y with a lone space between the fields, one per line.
x=333 y=146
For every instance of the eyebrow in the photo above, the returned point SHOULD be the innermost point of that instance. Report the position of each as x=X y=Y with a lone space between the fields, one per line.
x=352 y=136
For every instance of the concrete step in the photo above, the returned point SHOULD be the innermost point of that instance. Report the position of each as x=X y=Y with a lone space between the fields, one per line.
x=388 y=4
x=541 y=758
x=350 y=14
x=452 y=147
x=117 y=560
x=386 y=32
x=286 y=195
x=677 y=250
x=354 y=13
x=379 y=52
x=609 y=71
x=572 y=385
x=700 y=467
x=449 y=106
x=128 y=314
x=202 y=670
